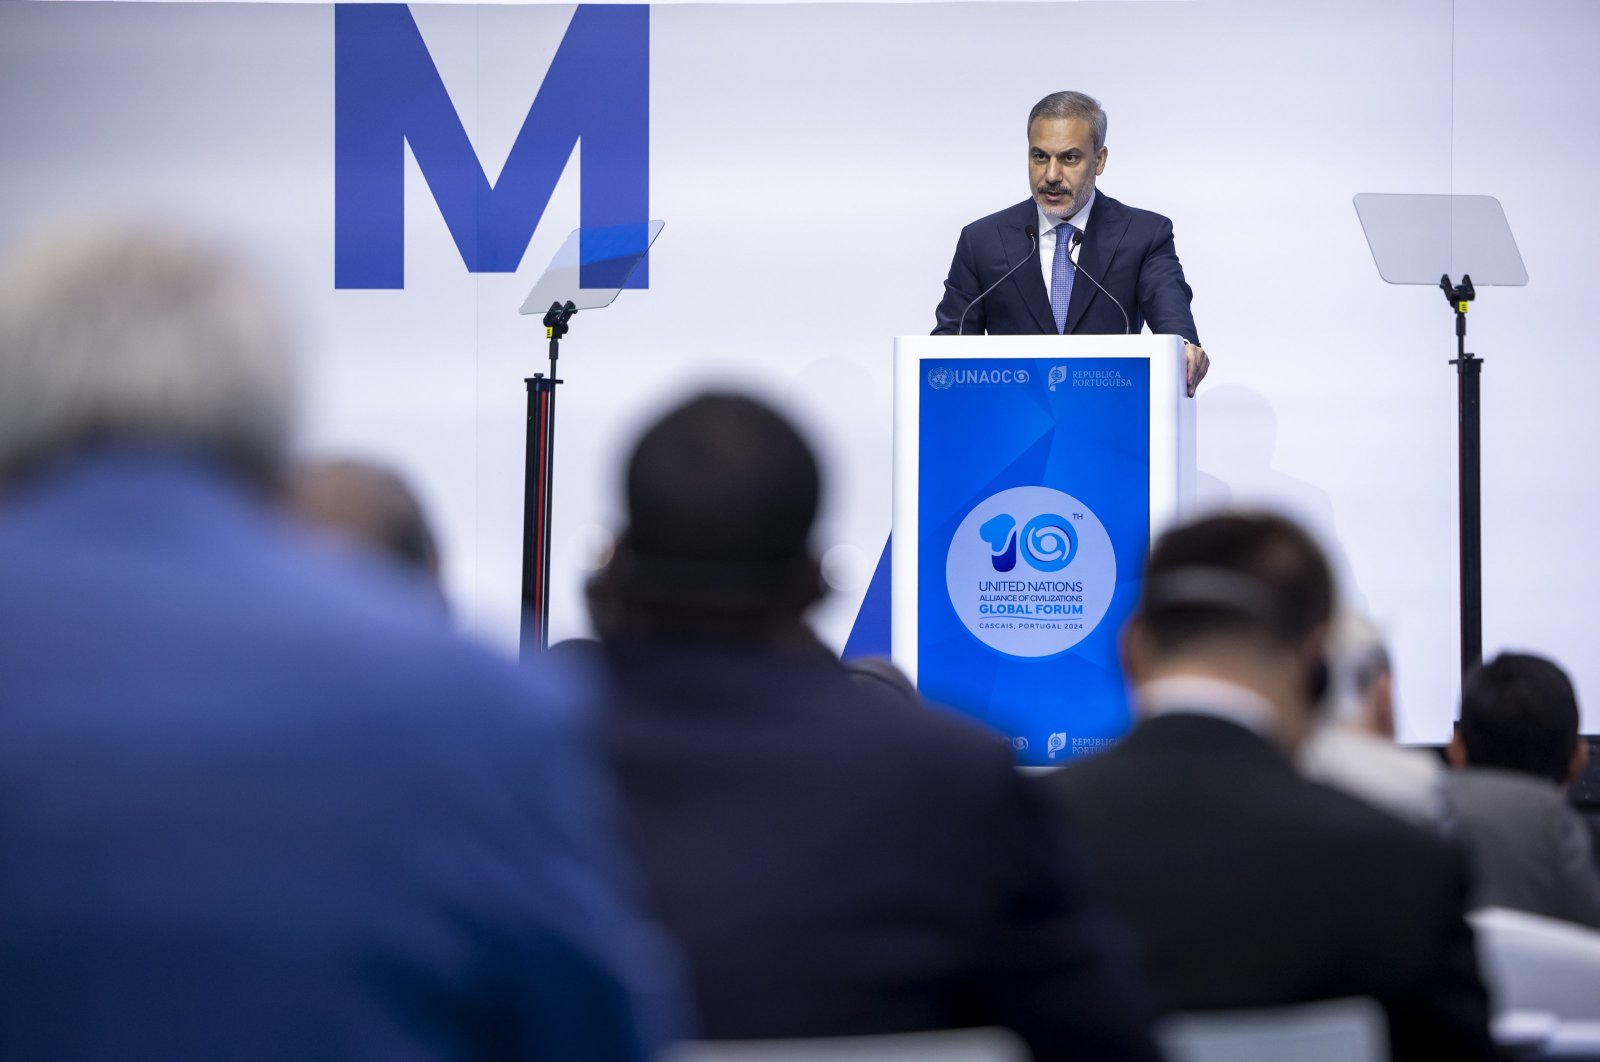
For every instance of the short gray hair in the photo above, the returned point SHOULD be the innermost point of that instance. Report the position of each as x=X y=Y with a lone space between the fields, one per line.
x=134 y=334
x=1072 y=105
x=1358 y=657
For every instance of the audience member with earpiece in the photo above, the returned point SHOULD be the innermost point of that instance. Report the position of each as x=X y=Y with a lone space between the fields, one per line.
x=835 y=857
x=1516 y=749
x=1246 y=884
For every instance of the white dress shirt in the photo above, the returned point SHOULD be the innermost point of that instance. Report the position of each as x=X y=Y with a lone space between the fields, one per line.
x=1193 y=695
x=1047 y=235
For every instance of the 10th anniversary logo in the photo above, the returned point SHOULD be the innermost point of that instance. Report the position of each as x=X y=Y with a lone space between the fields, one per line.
x=1031 y=571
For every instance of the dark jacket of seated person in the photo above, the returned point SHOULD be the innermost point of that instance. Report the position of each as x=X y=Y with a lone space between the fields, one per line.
x=1516 y=750
x=835 y=857
x=1246 y=884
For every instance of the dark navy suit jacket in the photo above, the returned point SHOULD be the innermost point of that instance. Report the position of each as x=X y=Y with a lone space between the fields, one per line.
x=1128 y=250
x=1250 y=886
x=258 y=804
x=839 y=861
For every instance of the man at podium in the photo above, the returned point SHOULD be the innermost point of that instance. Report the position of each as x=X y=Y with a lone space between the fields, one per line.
x=1068 y=260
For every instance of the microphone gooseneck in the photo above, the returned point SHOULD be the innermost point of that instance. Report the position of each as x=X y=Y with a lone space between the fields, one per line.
x=1033 y=246
x=1072 y=252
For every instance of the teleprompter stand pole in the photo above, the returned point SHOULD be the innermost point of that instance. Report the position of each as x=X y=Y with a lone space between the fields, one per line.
x=1469 y=374
x=538 y=478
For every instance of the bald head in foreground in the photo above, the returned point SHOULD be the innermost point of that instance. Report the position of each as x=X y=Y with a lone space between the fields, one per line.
x=257 y=804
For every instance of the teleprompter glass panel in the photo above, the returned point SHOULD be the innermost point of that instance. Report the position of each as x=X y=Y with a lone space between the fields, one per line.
x=1416 y=239
x=592 y=266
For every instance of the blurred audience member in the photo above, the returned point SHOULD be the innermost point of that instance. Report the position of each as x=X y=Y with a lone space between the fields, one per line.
x=1249 y=885
x=366 y=504
x=1361 y=678
x=1352 y=747
x=370 y=508
x=1516 y=749
x=836 y=858
x=257 y=805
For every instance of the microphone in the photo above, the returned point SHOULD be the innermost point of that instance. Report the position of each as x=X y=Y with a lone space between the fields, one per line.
x=1072 y=252
x=1033 y=245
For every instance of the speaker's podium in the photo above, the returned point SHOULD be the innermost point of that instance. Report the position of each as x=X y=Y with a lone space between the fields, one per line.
x=1030 y=473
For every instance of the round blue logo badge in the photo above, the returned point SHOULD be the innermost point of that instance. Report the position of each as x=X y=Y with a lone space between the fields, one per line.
x=1031 y=571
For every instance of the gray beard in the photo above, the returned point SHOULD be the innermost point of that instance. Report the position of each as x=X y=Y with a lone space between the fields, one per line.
x=1061 y=213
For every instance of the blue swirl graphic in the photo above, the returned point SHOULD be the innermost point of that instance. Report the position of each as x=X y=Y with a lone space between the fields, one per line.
x=1049 y=542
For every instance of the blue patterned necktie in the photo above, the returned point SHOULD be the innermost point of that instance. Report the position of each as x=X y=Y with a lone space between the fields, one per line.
x=1061 y=274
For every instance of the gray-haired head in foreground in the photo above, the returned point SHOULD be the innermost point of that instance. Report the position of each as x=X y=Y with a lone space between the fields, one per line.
x=133 y=335
x=1072 y=105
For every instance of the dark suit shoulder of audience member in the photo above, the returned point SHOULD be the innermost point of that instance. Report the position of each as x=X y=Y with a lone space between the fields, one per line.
x=840 y=861
x=1515 y=751
x=1251 y=886
x=881 y=672
x=1246 y=884
x=836 y=858
x=1529 y=849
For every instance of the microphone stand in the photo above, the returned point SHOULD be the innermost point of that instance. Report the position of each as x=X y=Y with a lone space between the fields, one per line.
x=1033 y=244
x=538 y=481
x=1074 y=252
x=1469 y=373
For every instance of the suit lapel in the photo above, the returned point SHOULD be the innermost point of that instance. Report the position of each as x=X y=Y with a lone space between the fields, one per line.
x=1107 y=223
x=1029 y=279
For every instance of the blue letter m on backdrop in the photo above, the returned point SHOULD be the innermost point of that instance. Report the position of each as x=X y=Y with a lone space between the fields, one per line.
x=388 y=93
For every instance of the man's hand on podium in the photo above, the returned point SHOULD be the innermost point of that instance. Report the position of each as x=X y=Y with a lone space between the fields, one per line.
x=1198 y=364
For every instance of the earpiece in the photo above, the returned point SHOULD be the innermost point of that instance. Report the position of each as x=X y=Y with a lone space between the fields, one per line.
x=1231 y=591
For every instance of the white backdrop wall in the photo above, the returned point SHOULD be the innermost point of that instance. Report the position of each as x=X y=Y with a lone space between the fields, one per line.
x=814 y=164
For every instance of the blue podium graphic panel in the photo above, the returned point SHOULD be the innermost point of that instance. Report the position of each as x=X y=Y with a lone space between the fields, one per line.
x=1033 y=521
